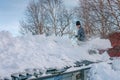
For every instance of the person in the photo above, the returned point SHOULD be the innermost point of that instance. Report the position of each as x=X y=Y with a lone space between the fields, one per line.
x=81 y=33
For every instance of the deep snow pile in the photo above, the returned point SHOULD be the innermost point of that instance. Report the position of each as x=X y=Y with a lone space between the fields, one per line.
x=20 y=53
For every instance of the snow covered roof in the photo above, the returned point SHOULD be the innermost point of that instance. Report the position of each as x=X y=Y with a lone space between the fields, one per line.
x=28 y=52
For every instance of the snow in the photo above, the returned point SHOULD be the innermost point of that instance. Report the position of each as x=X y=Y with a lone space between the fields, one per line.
x=28 y=52
x=100 y=43
x=103 y=71
x=105 y=56
x=116 y=64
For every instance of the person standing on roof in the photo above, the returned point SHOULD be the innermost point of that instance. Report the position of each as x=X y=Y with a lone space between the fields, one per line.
x=81 y=33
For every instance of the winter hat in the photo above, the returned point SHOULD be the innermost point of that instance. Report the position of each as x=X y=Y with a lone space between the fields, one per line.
x=77 y=22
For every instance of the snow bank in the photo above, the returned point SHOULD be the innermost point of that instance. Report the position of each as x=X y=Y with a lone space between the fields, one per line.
x=20 y=53
x=103 y=71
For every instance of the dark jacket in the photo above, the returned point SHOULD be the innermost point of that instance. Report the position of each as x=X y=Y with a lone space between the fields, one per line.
x=81 y=34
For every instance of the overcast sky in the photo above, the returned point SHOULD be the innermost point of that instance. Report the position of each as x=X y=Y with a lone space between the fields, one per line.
x=12 y=11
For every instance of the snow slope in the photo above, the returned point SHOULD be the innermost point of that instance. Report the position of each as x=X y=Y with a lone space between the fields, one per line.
x=26 y=52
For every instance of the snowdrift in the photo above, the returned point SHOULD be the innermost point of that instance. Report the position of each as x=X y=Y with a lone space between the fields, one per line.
x=26 y=52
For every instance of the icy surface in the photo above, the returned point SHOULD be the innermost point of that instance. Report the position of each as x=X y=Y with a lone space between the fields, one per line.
x=20 y=53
